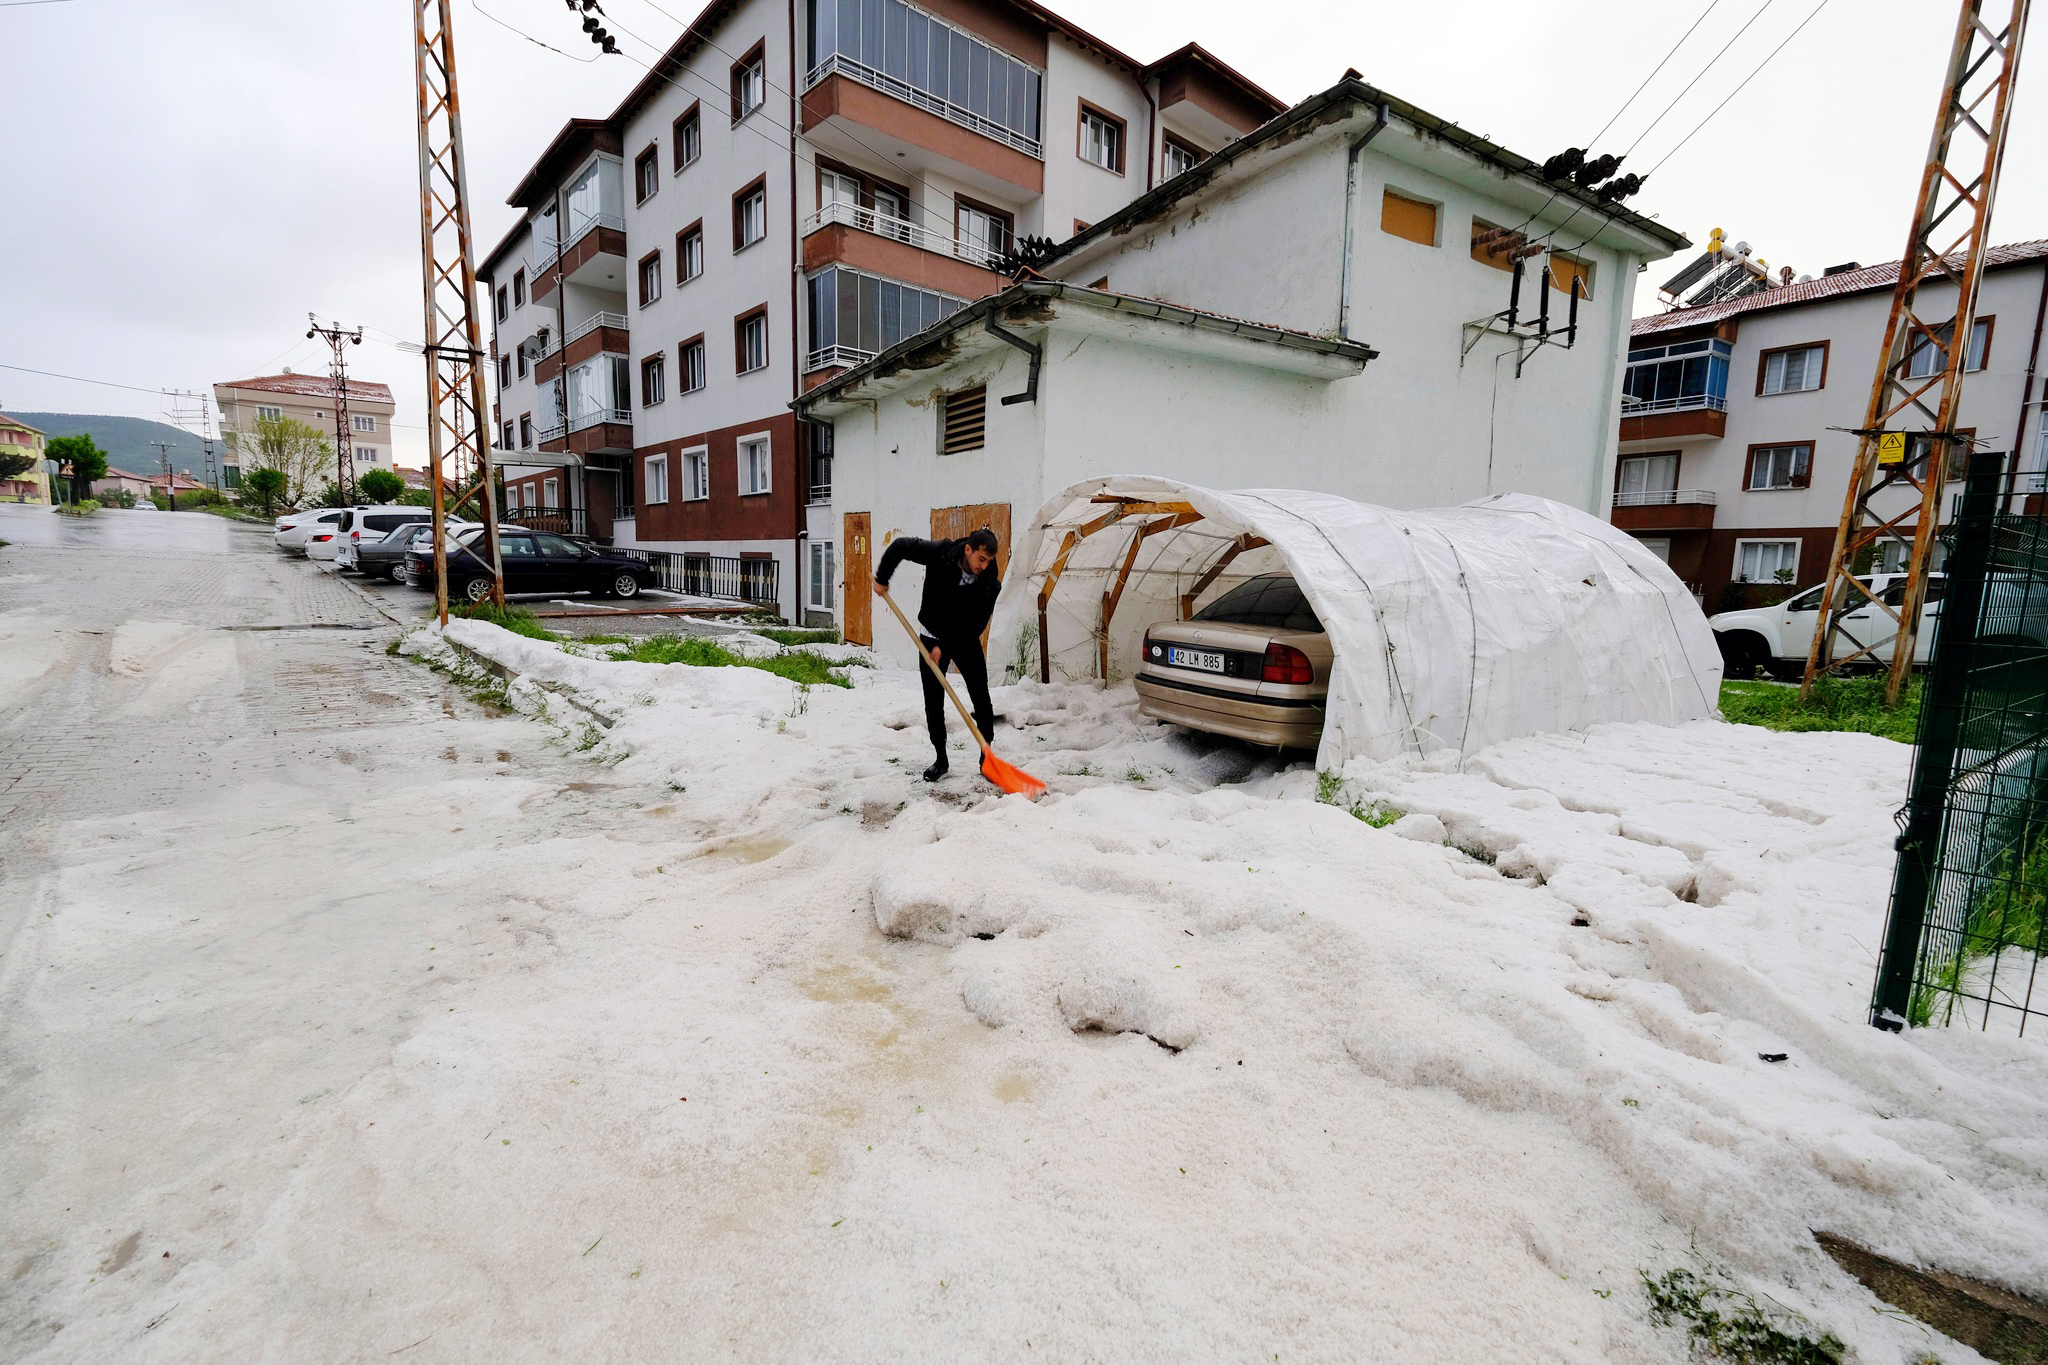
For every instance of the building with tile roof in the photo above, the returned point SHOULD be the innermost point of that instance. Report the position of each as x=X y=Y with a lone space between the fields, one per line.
x=310 y=399
x=33 y=484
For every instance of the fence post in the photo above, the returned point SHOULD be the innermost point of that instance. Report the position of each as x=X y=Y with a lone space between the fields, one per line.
x=1942 y=696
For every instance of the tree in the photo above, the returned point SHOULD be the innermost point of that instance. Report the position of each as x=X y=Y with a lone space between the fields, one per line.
x=80 y=458
x=380 y=485
x=264 y=485
x=11 y=465
x=293 y=448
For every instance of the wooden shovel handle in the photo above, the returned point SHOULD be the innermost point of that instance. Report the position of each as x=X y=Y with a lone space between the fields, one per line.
x=933 y=665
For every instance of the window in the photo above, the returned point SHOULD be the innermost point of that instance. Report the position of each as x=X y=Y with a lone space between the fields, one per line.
x=749 y=83
x=855 y=315
x=1791 y=369
x=690 y=252
x=525 y=493
x=1925 y=359
x=519 y=289
x=696 y=475
x=1102 y=138
x=269 y=412
x=820 y=440
x=1789 y=466
x=502 y=309
x=1177 y=157
x=1766 y=561
x=1685 y=374
x=519 y=356
x=517 y=547
x=526 y=431
x=689 y=138
x=358 y=422
x=365 y=453
x=983 y=232
x=753 y=465
x=889 y=45
x=750 y=341
x=656 y=467
x=750 y=215
x=551 y=496
x=650 y=278
x=690 y=365
x=505 y=441
x=1411 y=219
x=504 y=372
x=1565 y=270
x=822 y=597
x=653 y=381
x=646 y=175
x=963 y=420
x=1646 y=480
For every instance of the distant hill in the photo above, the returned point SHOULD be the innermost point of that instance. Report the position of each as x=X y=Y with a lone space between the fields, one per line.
x=127 y=440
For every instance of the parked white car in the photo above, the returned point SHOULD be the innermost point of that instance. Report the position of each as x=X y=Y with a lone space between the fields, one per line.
x=359 y=524
x=1776 y=639
x=294 y=527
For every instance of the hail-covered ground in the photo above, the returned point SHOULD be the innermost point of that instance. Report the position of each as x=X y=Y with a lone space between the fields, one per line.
x=786 y=1055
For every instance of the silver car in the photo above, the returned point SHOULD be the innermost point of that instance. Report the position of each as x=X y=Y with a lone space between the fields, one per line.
x=1254 y=664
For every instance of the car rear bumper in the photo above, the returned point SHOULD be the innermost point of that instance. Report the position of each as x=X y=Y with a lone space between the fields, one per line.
x=1286 y=724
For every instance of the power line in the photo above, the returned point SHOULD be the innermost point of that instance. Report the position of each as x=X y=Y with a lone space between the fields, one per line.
x=1653 y=74
x=1697 y=79
x=581 y=61
x=78 y=379
x=1745 y=81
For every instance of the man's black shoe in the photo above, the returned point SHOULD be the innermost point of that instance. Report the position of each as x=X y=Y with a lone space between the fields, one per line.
x=936 y=771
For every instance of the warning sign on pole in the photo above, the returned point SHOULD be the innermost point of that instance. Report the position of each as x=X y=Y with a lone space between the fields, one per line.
x=1891 y=447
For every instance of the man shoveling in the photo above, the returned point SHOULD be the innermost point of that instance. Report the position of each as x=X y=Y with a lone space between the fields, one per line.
x=961 y=581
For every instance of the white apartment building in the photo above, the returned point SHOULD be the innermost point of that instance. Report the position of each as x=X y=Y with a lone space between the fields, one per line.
x=776 y=203
x=1736 y=424
x=309 y=398
x=1319 y=305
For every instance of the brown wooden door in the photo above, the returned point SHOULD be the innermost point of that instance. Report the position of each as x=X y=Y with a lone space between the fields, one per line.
x=951 y=523
x=857 y=589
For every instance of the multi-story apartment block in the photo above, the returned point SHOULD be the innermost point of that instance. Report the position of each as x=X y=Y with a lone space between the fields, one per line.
x=31 y=484
x=310 y=399
x=789 y=191
x=1738 y=417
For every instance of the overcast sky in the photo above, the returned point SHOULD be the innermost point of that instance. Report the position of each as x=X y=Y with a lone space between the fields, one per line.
x=187 y=179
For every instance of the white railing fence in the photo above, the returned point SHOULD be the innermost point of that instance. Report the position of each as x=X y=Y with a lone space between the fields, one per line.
x=595 y=321
x=1666 y=497
x=903 y=230
x=1632 y=407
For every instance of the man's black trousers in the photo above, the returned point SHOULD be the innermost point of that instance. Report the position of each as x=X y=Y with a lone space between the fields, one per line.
x=966 y=656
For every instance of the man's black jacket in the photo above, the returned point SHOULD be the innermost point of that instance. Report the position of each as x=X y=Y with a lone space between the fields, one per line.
x=953 y=611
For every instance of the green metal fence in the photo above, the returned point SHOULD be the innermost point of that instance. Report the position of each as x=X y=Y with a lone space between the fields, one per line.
x=1966 y=935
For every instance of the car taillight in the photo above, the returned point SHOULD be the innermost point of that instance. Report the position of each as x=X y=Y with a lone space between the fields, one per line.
x=355 y=535
x=323 y=537
x=1286 y=664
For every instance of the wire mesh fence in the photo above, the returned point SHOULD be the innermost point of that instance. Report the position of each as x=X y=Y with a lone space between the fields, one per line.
x=1967 y=932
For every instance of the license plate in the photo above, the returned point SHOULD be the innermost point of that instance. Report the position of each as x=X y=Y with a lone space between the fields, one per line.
x=1203 y=659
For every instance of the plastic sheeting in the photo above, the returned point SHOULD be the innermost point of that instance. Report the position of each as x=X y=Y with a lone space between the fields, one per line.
x=1453 y=627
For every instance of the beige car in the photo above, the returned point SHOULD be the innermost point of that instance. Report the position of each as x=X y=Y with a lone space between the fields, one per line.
x=1254 y=665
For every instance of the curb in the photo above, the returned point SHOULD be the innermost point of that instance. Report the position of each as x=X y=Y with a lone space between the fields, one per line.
x=510 y=674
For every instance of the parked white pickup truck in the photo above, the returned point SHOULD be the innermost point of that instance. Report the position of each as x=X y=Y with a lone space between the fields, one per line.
x=1776 y=639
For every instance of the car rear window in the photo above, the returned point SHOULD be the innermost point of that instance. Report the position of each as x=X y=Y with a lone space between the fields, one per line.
x=1275 y=601
x=389 y=521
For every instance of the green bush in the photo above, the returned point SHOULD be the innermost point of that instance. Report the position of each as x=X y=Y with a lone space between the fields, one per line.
x=1854 y=704
x=84 y=508
x=191 y=499
x=797 y=665
x=380 y=485
x=518 y=620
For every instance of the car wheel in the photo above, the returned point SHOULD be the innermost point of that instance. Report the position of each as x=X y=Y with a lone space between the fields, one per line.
x=477 y=589
x=625 y=585
x=398 y=573
x=1742 y=654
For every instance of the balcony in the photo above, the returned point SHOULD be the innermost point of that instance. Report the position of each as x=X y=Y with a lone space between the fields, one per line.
x=851 y=110
x=593 y=322
x=594 y=255
x=839 y=64
x=837 y=357
x=848 y=234
x=595 y=335
x=1665 y=509
x=1665 y=419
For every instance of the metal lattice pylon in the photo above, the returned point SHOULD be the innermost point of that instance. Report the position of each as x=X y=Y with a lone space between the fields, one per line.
x=1904 y=446
x=339 y=340
x=456 y=430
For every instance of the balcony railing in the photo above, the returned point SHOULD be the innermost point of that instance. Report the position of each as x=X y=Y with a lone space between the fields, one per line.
x=1636 y=407
x=562 y=521
x=595 y=321
x=735 y=580
x=1666 y=497
x=592 y=417
x=552 y=432
x=829 y=356
x=616 y=222
x=902 y=230
x=842 y=65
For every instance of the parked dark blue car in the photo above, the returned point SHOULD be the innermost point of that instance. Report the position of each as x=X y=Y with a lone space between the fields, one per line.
x=535 y=562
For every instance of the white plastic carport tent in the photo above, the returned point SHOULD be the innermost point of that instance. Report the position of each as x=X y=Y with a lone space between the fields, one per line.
x=1453 y=628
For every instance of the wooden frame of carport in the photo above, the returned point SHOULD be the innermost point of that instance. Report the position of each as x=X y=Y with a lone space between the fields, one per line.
x=1165 y=516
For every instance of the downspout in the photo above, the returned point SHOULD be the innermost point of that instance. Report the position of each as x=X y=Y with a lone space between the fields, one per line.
x=2027 y=399
x=1037 y=354
x=801 y=446
x=1350 y=195
x=1151 y=130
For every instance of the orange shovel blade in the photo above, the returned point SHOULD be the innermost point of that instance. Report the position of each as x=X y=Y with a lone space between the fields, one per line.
x=1009 y=776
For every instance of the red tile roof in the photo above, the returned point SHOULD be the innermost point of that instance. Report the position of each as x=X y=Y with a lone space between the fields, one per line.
x=1861 y=281
x=311 y=386
x=17 y=424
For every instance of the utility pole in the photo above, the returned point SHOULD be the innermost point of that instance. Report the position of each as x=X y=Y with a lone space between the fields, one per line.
x=456 y=413
x=1909 y=430
x=163 y=450
x=338 y=340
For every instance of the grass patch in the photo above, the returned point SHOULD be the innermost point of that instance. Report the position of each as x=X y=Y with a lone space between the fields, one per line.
x=84 y=508
x=799 y=666
x=1855 y=704
x=518 y=620
x=2009 y=910
x=1330 y=791
x=1727 y=1324
x=791 y=635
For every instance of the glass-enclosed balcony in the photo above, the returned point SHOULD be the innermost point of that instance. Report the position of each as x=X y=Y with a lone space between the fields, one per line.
x=1676 y=378
x=856 y=316
x=924 y=61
